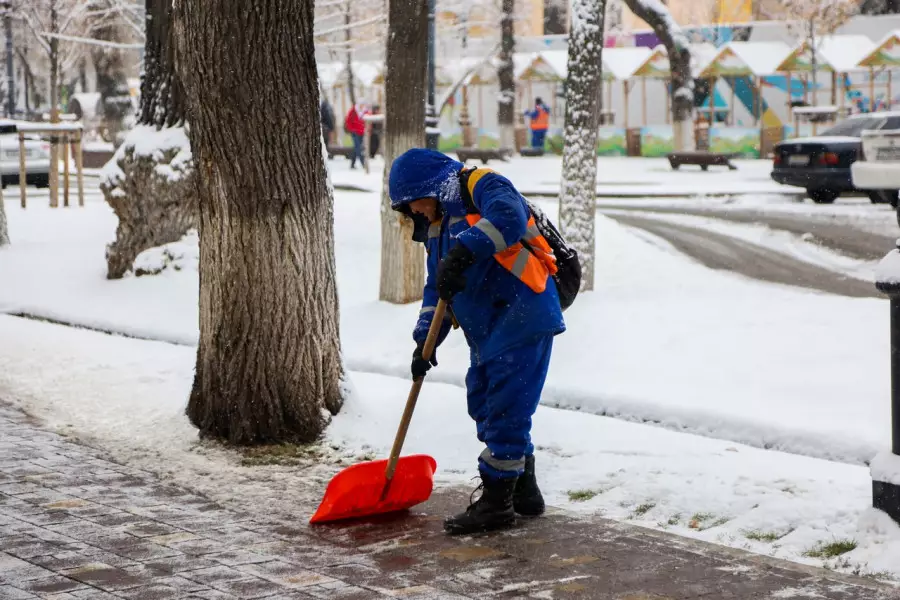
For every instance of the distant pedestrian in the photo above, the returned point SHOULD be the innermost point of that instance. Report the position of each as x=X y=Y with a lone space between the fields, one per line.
x=540 y=122
x=355 y=125
x=377 y=128
x=326 y=114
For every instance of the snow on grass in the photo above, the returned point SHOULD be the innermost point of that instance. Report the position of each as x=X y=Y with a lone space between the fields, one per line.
x=128 y=396
x=662 y=340
x=615 y=175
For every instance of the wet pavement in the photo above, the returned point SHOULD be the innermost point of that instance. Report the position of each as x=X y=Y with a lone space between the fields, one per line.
x=724 y=252
x=74 y=524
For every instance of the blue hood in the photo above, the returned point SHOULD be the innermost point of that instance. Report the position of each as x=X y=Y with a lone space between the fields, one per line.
x=423 y=173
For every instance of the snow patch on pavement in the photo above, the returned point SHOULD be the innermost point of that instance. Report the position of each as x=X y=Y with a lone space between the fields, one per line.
x=128 y=396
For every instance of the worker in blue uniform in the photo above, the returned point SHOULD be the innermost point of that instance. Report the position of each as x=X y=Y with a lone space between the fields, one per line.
x=489 y=261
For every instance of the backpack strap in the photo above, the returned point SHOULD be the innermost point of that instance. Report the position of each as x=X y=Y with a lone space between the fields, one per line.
x=468 y=179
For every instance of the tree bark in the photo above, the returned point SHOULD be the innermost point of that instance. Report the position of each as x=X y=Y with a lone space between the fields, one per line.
x=657 y=16
x=54 y=103
x=111 y=83
x=351 y=85
x=268 y=362
x=162 y=96
x=153 y=195
x=879 y=7
x=4 y=234
x=506 y=104
x=577 y=209
x=402 y=264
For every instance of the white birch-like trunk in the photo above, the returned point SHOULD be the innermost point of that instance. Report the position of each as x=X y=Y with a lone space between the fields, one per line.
x=402 y=262
x=4 y=234
x=683 y=134
x=577 y=209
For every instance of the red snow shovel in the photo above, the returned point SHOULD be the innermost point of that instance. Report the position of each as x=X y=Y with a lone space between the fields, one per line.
x=383 y=486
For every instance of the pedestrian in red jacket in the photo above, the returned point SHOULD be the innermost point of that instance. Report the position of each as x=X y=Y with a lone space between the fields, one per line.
x=355 y=125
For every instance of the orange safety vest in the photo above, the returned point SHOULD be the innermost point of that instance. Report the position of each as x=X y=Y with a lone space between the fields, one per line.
x=541 y=121
x=533 y=265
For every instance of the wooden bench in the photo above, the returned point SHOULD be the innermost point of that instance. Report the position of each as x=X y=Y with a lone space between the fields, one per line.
x=345 y=151
x=701 y=158
x=484 y=155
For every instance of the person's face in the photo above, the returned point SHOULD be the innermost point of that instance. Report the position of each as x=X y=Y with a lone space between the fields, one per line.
x=426 y=207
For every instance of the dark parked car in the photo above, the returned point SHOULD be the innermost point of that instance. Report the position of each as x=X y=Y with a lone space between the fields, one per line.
x=821 y=163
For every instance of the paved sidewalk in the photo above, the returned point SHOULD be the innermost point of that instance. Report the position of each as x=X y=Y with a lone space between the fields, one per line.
x=76 y=525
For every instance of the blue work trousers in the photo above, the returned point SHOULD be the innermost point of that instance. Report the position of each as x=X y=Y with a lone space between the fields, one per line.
x=503 y=394
x=537 y=138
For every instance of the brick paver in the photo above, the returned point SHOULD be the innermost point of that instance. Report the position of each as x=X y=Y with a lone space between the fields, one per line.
x=74 y=525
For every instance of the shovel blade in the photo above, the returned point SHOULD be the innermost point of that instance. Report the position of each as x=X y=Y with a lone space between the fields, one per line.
x=358 y=491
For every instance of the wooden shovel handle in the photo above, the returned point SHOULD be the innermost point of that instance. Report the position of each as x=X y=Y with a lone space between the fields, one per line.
x=430 y=342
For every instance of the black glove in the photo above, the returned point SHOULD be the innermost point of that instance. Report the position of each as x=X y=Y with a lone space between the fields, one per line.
x=419 y=365
x=450 y=278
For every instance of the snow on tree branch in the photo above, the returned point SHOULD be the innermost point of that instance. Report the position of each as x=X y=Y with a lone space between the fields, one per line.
x=818 y=17
x=654 y=11
x=353 y=25
x=92 y=41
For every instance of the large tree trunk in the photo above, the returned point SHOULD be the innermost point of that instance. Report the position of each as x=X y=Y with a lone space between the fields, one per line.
x=112 y=85
x=162 y=97
x=153 y=193
x=506 y=104
x=402 y=265
x=655 y=14
x=577 y=210
x=269 y=361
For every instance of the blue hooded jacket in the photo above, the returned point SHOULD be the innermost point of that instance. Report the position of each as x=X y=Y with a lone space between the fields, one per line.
x=496 y=310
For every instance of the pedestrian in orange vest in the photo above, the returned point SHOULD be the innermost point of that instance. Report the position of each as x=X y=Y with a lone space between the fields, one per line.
x=540 y=122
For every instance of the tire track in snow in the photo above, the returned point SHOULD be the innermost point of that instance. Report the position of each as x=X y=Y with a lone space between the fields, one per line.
x=844 y=238
x=723 y=252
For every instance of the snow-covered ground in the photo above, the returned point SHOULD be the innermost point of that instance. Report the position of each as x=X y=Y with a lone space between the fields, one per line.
x=618 y=176
x=662 y=340
x=129 y=396
x=668 y=340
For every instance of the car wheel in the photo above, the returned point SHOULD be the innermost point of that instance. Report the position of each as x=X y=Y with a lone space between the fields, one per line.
x=883 y=197
x=822 y=195
x=42 y=181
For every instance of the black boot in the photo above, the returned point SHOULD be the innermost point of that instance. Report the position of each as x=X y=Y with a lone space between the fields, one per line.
x=494 y=510
x=527 y=499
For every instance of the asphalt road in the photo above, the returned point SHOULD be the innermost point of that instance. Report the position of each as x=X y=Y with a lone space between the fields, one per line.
x=842 y=237
x=718 y=251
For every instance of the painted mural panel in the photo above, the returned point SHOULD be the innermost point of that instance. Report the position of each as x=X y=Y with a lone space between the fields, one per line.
x=611 y=141
x=657 y=140
x=743 y=141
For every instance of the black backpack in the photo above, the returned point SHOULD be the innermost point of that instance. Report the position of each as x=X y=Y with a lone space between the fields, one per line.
x=568 y=274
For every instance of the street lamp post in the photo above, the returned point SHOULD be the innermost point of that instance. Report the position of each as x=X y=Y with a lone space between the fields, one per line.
x=885 y=466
